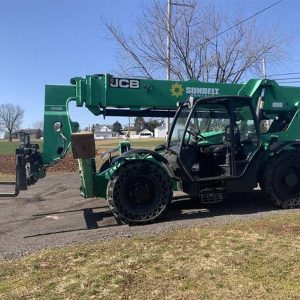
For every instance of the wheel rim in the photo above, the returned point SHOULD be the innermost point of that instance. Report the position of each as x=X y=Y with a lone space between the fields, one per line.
x=139 y=192
x=290 y=180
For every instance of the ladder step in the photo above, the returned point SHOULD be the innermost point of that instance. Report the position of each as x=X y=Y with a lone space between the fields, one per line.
x=207 y=198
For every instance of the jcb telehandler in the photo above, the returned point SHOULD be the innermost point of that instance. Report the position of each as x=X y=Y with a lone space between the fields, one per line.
x=225 y=138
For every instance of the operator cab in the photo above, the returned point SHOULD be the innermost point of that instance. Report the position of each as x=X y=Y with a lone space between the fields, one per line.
x=215 y=137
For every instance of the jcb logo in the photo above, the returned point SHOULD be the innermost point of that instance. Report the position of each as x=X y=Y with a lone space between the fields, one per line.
x=124 y=83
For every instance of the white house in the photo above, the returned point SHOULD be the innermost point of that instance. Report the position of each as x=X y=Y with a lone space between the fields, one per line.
x=104 y=132
x=145 y=133
x=160 y=131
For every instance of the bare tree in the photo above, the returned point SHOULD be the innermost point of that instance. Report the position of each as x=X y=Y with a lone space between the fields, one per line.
x=11 y=118
x=38 y=125
x=201 y=46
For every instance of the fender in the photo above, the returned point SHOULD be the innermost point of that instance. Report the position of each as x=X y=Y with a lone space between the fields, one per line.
x=126 y=157
x=120 y=160
x=276 y=148
x=156 y=155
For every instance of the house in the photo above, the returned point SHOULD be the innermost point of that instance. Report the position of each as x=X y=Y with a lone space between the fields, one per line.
x=160 y=131
x=103 y=128
x=104 y=132
x=33 y=133
x=130 y=131
x=145 y=134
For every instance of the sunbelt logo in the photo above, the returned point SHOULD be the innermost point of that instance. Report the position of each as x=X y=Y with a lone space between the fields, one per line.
x=177 y=90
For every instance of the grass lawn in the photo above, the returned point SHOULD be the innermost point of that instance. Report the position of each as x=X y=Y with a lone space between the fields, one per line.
x=147 y=143
x=257 y=259
x=7 y=147
x=150 y=143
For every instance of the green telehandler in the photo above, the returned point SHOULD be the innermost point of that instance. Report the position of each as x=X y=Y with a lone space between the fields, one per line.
x=224 y=139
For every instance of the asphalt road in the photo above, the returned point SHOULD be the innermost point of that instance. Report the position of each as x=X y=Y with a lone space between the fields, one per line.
x=53 y=214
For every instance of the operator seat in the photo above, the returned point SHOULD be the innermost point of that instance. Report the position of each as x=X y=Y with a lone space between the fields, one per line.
x=199 y=164
x=225 y=146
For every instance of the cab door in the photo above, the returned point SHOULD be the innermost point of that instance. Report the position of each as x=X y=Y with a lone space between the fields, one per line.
x=220 y=138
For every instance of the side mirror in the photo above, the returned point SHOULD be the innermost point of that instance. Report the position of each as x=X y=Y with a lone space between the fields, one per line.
x=227 y=133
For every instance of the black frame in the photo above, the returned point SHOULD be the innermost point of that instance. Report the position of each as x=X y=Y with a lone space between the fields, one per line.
x=219 y=99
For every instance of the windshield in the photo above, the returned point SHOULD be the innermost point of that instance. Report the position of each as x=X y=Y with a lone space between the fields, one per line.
x=209 y=117
x=209 y=122
x=205 y=118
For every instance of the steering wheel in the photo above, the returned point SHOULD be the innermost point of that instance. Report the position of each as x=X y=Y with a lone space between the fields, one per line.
x=196 y=135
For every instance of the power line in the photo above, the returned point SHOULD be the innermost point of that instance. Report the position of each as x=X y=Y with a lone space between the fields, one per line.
x=284 y=74
x=243 y=21
x=296 y=81
x=287 y=78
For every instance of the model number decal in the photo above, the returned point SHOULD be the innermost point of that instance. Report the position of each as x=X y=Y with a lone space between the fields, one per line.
x=57 y=108
x=277 y=104
x=124 y=83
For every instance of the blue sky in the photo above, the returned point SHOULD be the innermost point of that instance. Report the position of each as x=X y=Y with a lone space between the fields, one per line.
x=49 y=42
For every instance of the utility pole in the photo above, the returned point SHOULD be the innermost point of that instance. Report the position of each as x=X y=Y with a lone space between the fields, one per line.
x=169 y=40
x=168 y=56
x=264 y=68
x=128 y=133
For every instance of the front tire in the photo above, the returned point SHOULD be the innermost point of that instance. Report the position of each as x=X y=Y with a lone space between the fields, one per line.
x=139 y=192
x=282 y=180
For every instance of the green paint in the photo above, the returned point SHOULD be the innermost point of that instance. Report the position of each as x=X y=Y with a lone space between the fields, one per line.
x=87 y=176
x=98 y=92
x=57 y=98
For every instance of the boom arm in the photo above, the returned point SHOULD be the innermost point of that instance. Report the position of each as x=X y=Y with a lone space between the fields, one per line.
x=110 y=96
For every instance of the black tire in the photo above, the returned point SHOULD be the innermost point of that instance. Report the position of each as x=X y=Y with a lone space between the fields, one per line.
x=262 y=184
x=139 y=192
x=282 y=180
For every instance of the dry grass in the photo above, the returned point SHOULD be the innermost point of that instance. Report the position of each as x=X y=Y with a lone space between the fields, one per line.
x=253 y=260
x=7 y=165
x=149 y=143
x=7 y=177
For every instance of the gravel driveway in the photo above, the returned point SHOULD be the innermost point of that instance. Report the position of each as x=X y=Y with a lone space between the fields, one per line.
x=52 y=214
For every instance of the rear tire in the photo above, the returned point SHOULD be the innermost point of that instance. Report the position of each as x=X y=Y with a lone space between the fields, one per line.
x=139 y=192
x=282 y=180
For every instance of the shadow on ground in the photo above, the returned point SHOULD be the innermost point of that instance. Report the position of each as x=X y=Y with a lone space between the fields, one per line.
x=238 y=204
x=181 y=208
